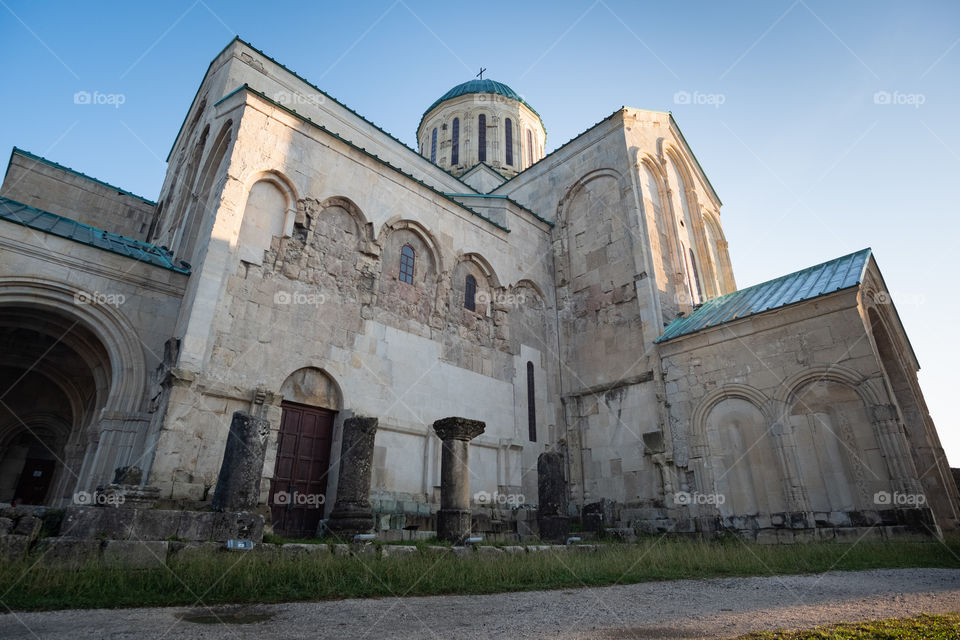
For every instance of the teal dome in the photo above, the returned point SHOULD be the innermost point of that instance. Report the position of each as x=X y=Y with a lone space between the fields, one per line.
x=481 y=86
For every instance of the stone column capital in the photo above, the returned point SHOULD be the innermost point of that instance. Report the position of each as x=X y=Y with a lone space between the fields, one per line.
x=458 y=428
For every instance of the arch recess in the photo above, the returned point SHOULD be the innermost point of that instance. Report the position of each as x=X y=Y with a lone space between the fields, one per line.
x=754 y=396
x=117 y=336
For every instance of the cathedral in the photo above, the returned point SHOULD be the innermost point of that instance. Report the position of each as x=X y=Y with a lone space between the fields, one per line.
x=304 y=266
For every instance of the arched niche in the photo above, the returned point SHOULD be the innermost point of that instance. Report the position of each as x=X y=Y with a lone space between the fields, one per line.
x=744 y=459
x=313 y=387
x=839 y=459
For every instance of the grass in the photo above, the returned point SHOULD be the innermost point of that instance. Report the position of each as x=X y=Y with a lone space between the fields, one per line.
x=240 y=577
x=922 y=627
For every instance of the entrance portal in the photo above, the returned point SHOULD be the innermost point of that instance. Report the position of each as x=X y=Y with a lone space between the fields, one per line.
x=299 y=486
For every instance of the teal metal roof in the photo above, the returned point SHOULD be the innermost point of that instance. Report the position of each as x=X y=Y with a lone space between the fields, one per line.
x=812 y=282
x=47 y=222
x=481 y=86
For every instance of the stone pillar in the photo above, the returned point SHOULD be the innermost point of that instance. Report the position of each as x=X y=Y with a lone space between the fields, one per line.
x=352 y=513
x=453 y=521
x=552 y=498
x=238 y=485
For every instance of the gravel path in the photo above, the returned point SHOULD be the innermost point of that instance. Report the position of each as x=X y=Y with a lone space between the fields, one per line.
x=715 y=608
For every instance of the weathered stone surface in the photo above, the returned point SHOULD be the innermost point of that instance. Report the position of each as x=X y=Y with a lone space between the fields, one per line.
x=352 y=512
x=238 y=485
x=396 y=550
x=28 y=526
x=13 y=547
x=237 y=526
x=305 y=549
x=136 y=554
x=453 y=519
x=6 y=525
x=552 y=519
x=69 y=551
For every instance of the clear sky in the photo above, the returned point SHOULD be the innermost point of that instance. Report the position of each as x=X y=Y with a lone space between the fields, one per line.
x=778 y=99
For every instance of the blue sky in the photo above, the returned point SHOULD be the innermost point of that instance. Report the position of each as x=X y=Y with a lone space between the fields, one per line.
x=784 y=112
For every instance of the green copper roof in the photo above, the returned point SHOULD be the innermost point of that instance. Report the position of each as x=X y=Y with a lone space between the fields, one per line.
x=812 y=282
x=47 y=222
x=481 y=86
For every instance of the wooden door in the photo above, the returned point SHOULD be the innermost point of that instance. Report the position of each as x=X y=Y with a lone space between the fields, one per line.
x=34 y=481
x=299 y=483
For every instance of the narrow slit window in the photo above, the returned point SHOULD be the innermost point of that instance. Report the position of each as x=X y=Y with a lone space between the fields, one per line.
x=470 y=293
x=531 y=404
x=696 y=276
x=408 y=259
x=455 y=150
x=482 y=137
x=508 y=128
x=433 y=146
x=529 y=147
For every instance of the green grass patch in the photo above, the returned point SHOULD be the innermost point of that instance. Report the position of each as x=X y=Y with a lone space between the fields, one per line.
x=265 y=576
x=922 y=627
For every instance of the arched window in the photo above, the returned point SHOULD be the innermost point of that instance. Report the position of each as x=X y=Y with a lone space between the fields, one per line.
x=529 y=147
x=482 y=137
x=696 y=276
x=470 y=293
x=408 y=258
x=531 y=404
x=455 y=151
x=433 y=146
x=508 y=127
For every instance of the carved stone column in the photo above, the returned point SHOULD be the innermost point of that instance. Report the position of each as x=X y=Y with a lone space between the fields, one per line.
x=453 y=521
x=352 y=513
x=552 y=498
x=238 y=485
x=896 y=451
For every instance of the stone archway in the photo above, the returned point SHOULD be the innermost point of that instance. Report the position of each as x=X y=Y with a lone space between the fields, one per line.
x=298 y=489
x=54 y=381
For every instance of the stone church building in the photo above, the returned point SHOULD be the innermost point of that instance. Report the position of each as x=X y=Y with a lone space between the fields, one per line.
x=303 y=265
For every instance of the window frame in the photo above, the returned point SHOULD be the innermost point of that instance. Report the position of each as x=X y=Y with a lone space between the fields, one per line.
x=408 y=264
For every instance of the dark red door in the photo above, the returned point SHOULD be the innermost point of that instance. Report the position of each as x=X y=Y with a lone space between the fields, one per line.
x=34 y=481
x=300 y=476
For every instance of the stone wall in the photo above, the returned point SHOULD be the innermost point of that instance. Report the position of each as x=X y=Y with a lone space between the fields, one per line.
x=51 y=187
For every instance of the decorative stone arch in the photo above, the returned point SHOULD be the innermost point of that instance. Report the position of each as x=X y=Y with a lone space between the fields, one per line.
x=487 y=284
x=364 y=226
x=397 y=223
x=698 y=420
x=579 y=184
x=790 y=388
x=706 y=270
x=284 y=185
x=530 y=284
x=312 y=386
x=128 y=367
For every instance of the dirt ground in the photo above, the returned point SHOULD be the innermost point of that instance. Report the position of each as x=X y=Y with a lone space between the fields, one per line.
x=715 y=608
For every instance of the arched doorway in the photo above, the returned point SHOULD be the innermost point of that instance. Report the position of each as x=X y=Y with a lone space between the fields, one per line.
x=54 y=380
x=311 y=400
